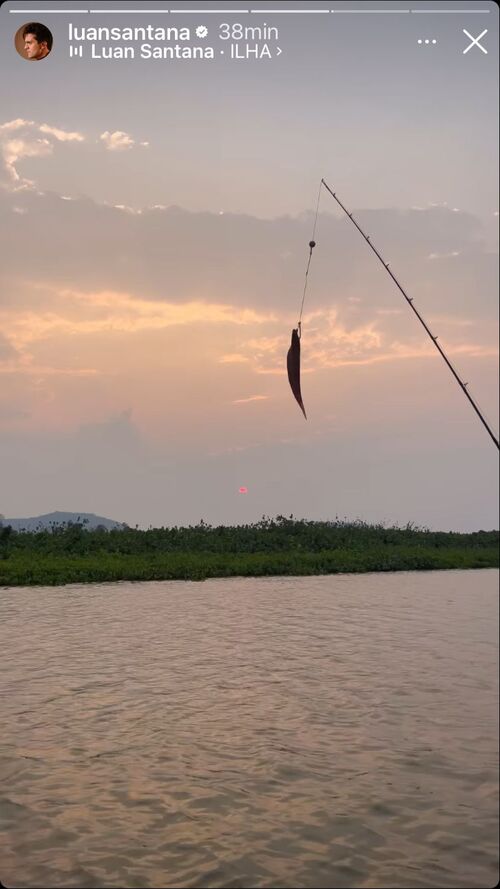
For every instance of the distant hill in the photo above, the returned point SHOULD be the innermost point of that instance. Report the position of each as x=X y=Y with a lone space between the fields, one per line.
x=48 y=521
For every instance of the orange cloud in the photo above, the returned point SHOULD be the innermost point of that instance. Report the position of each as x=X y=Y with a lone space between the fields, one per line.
x=234 y=358
x=75 y=313
x=251 y=398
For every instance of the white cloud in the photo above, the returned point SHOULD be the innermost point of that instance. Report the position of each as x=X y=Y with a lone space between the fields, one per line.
x=20 y=138
x=14 y=148
x=61 y=135
x=16 y=124
x=117 y=141
x=127 y=209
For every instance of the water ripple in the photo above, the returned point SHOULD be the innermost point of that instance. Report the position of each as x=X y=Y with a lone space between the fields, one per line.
x=327 y=732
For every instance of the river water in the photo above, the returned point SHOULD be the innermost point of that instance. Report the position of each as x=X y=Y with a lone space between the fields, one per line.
x=335 y=731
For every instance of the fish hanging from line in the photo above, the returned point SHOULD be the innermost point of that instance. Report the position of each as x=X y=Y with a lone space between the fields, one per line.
x=293 y=357
x=293 y=367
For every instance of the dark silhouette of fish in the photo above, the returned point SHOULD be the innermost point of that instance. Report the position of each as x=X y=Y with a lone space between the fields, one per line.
x=293 y=367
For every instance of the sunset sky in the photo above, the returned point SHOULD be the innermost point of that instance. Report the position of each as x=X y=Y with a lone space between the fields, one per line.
x=155 y=217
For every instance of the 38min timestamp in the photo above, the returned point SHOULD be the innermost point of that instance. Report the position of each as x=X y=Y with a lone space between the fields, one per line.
x=237 y=31
x=250 y=42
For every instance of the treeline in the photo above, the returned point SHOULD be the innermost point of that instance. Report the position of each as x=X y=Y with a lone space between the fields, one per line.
x=279 y=535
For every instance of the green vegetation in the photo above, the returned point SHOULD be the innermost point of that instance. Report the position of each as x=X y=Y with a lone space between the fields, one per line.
x=72 y=554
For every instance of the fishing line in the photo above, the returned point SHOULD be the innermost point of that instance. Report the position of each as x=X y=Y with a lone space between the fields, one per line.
x=293 y=355
x=312 y=244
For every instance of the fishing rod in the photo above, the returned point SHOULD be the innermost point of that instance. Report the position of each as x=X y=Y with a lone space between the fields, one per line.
x=410 y=302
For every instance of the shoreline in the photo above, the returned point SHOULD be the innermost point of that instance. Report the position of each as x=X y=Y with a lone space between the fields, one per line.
x=272 y=547
x=59 y=570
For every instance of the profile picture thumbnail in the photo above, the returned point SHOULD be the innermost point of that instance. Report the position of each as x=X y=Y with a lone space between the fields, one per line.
x=33 y=41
